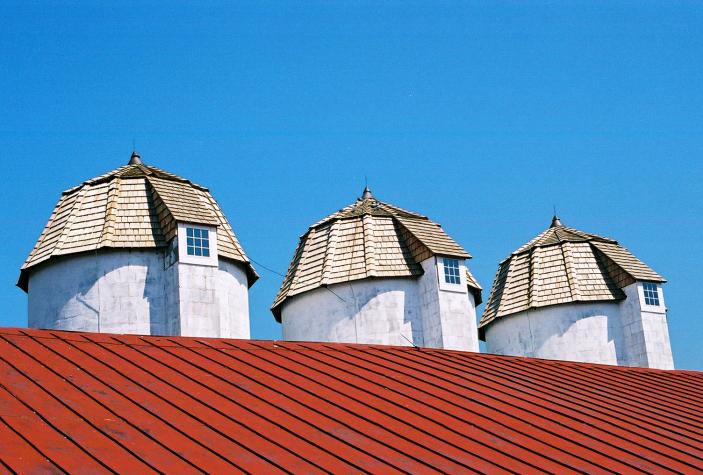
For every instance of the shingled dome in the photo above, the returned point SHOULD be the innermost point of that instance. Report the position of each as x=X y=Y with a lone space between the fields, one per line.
x=134 y=206
x=368 y=238
x=563 y=265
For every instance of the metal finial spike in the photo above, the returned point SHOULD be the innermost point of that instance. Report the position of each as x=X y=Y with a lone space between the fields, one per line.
x=366 y=194
x=555 y=221
x=135 y=159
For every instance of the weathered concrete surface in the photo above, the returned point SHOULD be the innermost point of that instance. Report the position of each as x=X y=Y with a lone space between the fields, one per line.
x=645 y=329
x=139 y=292
x=388 y=311
x=576 y=332
x=213 y=300
x=449 y=310
x=627 y=333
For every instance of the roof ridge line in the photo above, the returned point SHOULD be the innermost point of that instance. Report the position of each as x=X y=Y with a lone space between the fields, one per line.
x=99 y=179
x=110 y=214
x=574 y=287
x=165 y=229
x=330 y=252
x=367 y=230
x=363 y=247
x=70 y=219
x=530 y=282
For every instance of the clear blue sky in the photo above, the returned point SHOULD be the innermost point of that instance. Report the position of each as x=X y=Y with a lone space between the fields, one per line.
x=481 y=115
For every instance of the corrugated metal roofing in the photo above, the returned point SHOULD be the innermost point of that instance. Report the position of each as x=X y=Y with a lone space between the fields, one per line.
x=562 y=265
x=134 y=206
x=368 y=238
x=94 y=403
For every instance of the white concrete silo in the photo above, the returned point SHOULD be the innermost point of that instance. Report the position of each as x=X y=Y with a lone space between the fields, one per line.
x=577 y=296
x=139 y=250
x=375 y=273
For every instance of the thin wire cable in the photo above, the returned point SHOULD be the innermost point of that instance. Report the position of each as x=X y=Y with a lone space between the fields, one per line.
x=283 y=275
x=333 y=293
x=408 y=340
x=266 y=267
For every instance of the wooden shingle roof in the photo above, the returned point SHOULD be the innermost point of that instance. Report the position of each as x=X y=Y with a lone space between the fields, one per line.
x=368 y=238
x=134 y=206
x=563 y=265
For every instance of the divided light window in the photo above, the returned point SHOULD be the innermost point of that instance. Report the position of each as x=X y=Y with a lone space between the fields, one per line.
x=198 y=242
x=451 y=271
x=651 y=294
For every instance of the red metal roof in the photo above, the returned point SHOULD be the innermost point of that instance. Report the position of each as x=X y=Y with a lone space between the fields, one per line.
x=86 y=402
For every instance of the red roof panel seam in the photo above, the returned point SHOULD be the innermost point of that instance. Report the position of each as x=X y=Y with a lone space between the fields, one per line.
x=154 y=415
x=179 y=358
x=311 y=408
x=596 y=440
x=386 y=414
x=493 y=434
x=543 y=429
x=685 y=389
x=638 y=397
x=77 y=415
x=26 y=441
x=244 y=408
x=629 y=395
x=204 y=423
x=598 y=395
x=576 y=407
x=607 y=423
x=9 y=470
x=31 y=427
x=344 y=409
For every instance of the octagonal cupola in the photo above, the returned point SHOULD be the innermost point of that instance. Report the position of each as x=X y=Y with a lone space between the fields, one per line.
x=375 y=273
x=572 y=295
x=139 y=250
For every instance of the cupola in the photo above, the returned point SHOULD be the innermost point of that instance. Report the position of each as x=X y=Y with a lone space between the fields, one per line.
x=568 y=294
x=376 y=273
x=139 y=250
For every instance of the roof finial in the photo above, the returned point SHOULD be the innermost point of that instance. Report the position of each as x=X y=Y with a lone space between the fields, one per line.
x=135 y=159
x=366 y=194
x=555 y=220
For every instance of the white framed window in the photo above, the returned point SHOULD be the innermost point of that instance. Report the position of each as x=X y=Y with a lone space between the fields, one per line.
x=197 y=242
x=451 y=270
x=651 y=293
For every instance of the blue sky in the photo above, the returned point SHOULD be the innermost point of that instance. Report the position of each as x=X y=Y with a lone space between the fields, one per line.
x=482 y=115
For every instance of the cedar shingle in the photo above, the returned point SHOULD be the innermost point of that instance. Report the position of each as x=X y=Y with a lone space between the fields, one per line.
x=563 y=265
x=366 y=239
x=135 y=206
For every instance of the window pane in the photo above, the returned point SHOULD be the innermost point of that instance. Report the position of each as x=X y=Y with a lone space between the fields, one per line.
x=451 y=270
x=651 y=293
x=198 y=242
